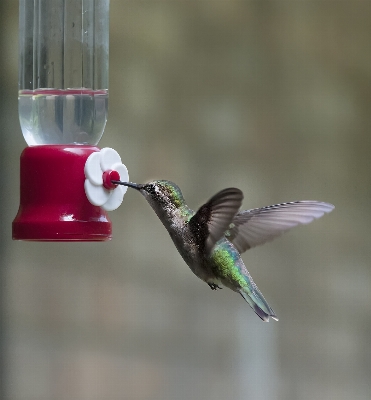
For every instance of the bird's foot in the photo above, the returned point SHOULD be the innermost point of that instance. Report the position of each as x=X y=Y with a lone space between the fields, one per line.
x=214 y=286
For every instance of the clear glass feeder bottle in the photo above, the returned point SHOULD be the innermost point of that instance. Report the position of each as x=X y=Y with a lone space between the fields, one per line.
x=63 y=71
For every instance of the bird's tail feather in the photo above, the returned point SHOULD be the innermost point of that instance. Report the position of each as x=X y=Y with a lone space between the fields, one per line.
x=258 y=303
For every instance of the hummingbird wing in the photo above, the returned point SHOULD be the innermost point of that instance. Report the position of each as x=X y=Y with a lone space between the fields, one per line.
x=253 y=227
x=213 y=218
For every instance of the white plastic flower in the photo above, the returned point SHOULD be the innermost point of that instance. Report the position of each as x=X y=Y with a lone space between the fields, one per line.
x=101 y=168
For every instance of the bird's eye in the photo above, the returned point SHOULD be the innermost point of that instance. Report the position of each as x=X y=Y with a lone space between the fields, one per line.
x=152 y=190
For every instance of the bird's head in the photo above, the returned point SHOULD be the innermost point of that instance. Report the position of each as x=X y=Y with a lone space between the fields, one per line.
x=165 y=197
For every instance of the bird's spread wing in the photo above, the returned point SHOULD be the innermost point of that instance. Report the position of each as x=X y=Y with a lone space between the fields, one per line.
x=253 y=227
x=212 y=219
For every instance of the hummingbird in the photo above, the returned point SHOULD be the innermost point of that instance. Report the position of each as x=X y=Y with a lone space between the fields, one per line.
x=212 y=239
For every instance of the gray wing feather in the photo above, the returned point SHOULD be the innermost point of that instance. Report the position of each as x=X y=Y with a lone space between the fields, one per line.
x=213 y=218
x=253 y=227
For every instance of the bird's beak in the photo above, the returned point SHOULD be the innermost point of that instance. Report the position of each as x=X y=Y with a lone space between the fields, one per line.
x=129 y=184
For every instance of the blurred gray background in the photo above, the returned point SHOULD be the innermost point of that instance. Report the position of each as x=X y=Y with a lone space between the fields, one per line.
x=270 y=96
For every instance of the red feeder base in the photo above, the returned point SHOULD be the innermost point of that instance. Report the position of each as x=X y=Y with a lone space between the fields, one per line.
x=53 y=203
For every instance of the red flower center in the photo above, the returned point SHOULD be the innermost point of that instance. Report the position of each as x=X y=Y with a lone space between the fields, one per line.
x=108 y=177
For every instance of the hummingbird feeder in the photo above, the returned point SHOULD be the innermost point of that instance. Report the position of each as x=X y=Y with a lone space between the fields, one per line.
x=65 y=180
